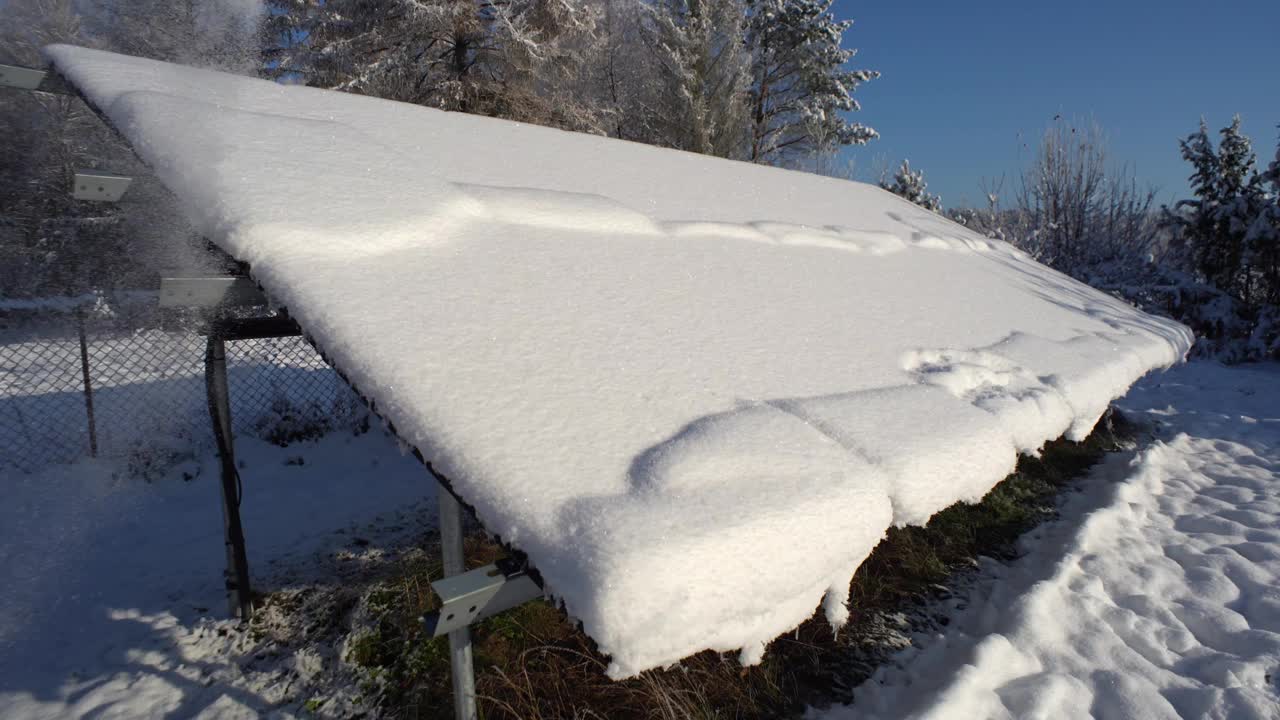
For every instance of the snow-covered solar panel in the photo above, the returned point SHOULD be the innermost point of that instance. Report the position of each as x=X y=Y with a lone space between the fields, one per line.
x=696 y=392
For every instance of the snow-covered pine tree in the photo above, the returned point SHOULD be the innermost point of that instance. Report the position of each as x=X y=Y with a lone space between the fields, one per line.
x=506 y=58
x=1263 y=238
x=1236 y=160
x=910 y=184
x=1192 y=220
x=1241 y=193
x=1215 y=226
x=702 y=71
x=800 y=86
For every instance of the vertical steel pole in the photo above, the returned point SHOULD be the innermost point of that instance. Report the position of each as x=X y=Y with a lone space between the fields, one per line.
x=88 y=386
x=464 y=679
x=239 y=596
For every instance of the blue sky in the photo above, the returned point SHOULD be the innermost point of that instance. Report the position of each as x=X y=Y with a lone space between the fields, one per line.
x=965 y=84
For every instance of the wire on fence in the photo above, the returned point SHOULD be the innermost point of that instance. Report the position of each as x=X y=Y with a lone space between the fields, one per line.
x=142 y=396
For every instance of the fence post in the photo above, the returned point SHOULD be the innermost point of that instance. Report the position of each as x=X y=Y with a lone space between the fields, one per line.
x=88 y=385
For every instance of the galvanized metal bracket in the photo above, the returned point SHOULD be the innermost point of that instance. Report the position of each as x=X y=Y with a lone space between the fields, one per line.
x=477 y=594
x=22 y=78
x=33 y=79
x=210 y=291
x=99 y=186
x=253 y=328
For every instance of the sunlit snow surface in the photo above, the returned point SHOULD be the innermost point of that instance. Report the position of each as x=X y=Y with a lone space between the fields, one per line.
x=1155 y=596
x=696 y=392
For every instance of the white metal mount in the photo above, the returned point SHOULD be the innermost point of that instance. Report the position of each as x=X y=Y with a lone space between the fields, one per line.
x=99 y=186
x=34 y=79
x=22 y=78
x=210 y=291
x=478 y=594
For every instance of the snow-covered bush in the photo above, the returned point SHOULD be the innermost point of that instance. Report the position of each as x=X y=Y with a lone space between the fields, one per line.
x=173 y=451
x=288 y=420
x=1209 y=262
x=910 y=184
x=1073 y=209
x=1227 y=239
x=1225 y=232
x=1226 y=329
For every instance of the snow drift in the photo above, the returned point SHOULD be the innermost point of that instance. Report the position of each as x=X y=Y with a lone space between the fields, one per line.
x=696 y=392
x=1155 y=595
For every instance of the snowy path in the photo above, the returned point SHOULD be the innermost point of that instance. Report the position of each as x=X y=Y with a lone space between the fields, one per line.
x=1156 y=597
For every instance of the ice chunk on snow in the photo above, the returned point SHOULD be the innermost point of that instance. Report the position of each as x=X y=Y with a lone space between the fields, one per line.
x=734 y=231
x=684 y=386
x=832 y=237
x=1088 y=372
x=871 y=241
x=935 y=243
x=536 y=207
x=1030 y=410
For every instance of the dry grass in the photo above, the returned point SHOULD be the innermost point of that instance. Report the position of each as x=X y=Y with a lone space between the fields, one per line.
x=533 y=663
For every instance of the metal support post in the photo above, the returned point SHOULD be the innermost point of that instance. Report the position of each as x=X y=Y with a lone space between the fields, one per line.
x=464 y=680
x=239 y=597
x=88 y=385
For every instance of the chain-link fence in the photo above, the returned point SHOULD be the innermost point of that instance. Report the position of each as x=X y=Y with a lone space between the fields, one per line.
x=83 y=381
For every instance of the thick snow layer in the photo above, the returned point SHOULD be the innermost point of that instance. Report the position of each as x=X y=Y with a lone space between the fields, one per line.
x=1157 y=597
x=695 y=391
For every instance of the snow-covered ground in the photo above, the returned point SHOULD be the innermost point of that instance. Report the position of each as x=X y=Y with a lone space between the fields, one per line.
x=110 y=587
x=1155 y=595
